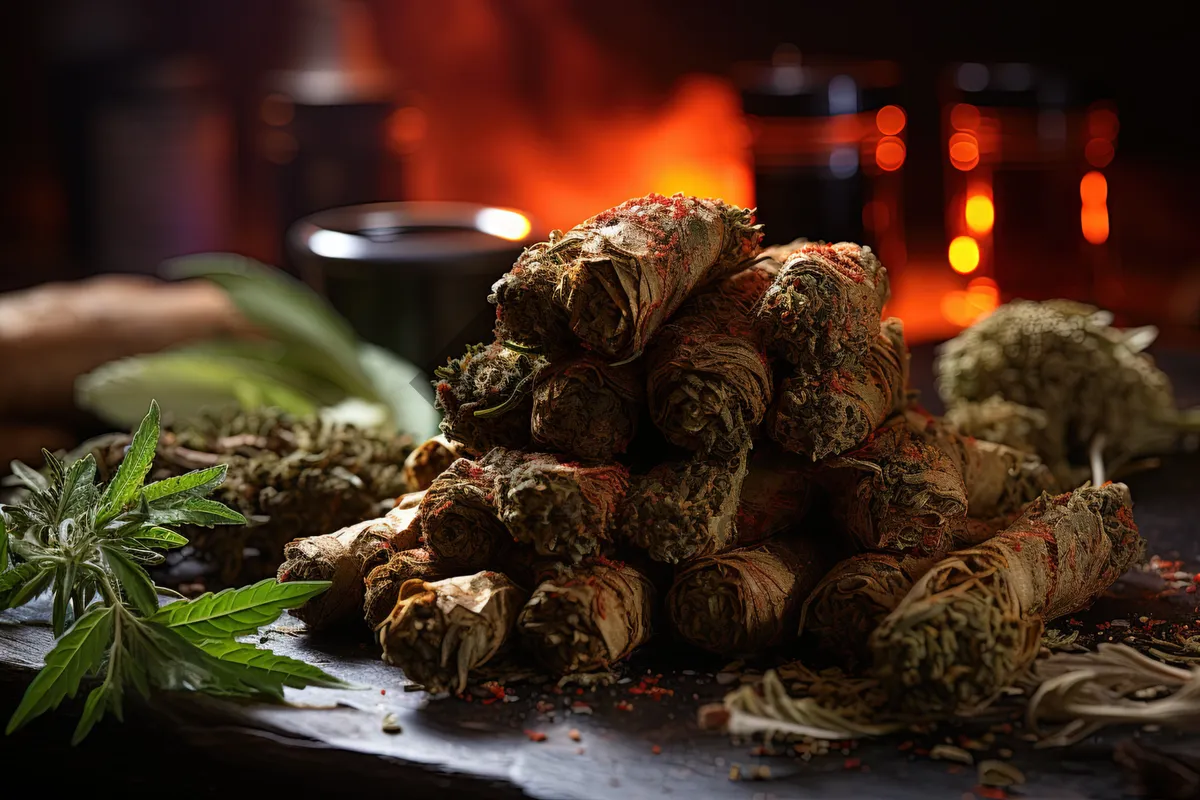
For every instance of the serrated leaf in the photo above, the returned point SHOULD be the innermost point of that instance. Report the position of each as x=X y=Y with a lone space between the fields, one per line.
x=270 y=666
x=33 y=480
x=32 y=583
x=139 y=589
x=194 y=511
x=236 y=612
x=124 y=486
x=139 y=554
x=81 y=473
x=198 y=483
x=12 y=579
x=93 y=711
x=174 y=662
x=161 y=538
x=76 y=654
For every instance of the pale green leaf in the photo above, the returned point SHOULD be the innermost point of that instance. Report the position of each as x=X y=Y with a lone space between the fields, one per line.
x=27 y=582
x=138 y=587
x=198 y=483
x=235 y=612
x=64 y=587
x=160 y=538
x=74 y=498
x=93 y=710
x=269 y=666
x=33 y=480
x=76 y=654
x=194 y=511
x=124 y=486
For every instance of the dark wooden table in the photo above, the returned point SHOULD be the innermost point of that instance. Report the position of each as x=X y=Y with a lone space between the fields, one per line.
x=630 y=745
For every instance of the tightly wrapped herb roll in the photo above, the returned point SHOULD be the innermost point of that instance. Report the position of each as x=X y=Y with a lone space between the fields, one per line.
x=896 y=492
x=860 y=591
x=829 y=412
x=776 y=495
x=383 y=582
x=684 y=509
x=344 y=558
x=613 y=280
x=708 y=377
x=439 y=631
x=975 y=620
x=561 y=508
x=586 y=408
x=746 y=600
x=485 y=397
x=431 y=459
x=999 y=479
x=587 y=617
x=824 y=306
x=459 y=519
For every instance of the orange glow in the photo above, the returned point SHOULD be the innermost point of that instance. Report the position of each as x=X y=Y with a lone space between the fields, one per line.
x=1093 y=189
x=964 y=117
x=889 y=154
x=1099 y=152
x=964 y=151
x=406 y=128
x=1093 y=221
x=979 y=213
x=964 y=254
x=876 y=216
x=890 y=120
x=966 y=308
x=1102 y=123
x=277 y=109
x=984 y=285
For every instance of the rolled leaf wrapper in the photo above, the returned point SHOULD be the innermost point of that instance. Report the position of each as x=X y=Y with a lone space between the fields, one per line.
x=777 y=494
x=824 y=306
x=746 y=600
x=685 y=509
x=708 y=377
x=439 y=631
x=344 y=558
x=586 y=408
x=860 y=591
x=587 y=617
x=999 y=479
x=561 y=508
x=975 y=619
x=382 y=584
x=431 y=459
x=829 y=412
x=459 y=519
x=896 y=492
x=614 y=279
x=486 y=398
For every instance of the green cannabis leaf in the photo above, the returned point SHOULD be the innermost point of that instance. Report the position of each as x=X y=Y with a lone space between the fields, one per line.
x=89 y=544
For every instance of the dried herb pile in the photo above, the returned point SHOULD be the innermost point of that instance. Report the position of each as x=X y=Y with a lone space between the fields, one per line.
x=677 y=432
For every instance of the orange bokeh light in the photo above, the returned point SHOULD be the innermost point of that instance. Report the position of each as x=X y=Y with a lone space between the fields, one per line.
x=1102 y=123
x=890 y=120
x=964 y=151
x=963 y=254
x=966 y=308
x=1099 y=152
x=890 y=153
x=979 y=213
x=964 y=117
x=1093 y=221
x=1093 y=189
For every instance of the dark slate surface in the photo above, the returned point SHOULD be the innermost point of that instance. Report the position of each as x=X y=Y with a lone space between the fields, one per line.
x=333 y=742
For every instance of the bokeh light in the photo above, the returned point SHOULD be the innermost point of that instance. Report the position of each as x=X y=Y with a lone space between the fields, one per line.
x=964 y=117
x=963 y=254
x=1093 y=189
x=964 y=151
x=979 y=213
x=890 y=153
x=1102 y=123
x=890 y=120
x=1099 y=152
x=1093 y=221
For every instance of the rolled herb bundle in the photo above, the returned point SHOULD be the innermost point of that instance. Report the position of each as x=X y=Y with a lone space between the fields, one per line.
x=896 y=492
x=562 y=508
x=824 y=306
x=431 y=459
x=586 y=408
x=459 y=519
x=999 y=479
x=746 y=600
x=825 y=413
x=383 y=582
x=614 y=279
x=975 y=620
x=776 y=496
x=708 y=377
x=587 y=617
x=998 y=420
x=439 y=631
x=486 y=397
x=344 y=558
x=684 y=509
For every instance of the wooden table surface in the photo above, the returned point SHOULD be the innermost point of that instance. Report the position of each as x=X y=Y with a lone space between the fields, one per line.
x=630 y=745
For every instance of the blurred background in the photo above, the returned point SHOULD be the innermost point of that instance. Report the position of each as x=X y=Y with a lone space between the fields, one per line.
x=987 y=152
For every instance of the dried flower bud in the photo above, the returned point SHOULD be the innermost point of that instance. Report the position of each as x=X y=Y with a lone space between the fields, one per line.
x=383 y=582
x=586 y=408
x=431 y=459
x=459 y=519
x=486 y=397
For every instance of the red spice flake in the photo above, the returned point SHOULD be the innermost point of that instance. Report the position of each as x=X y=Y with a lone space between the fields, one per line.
x=624 y=705
x=1191 y=589
x=852 y=763
x=579 y=691
x=1073 y=621
x=383 y=691
x=535 y=736
x=656 y=750
x=574 y=735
